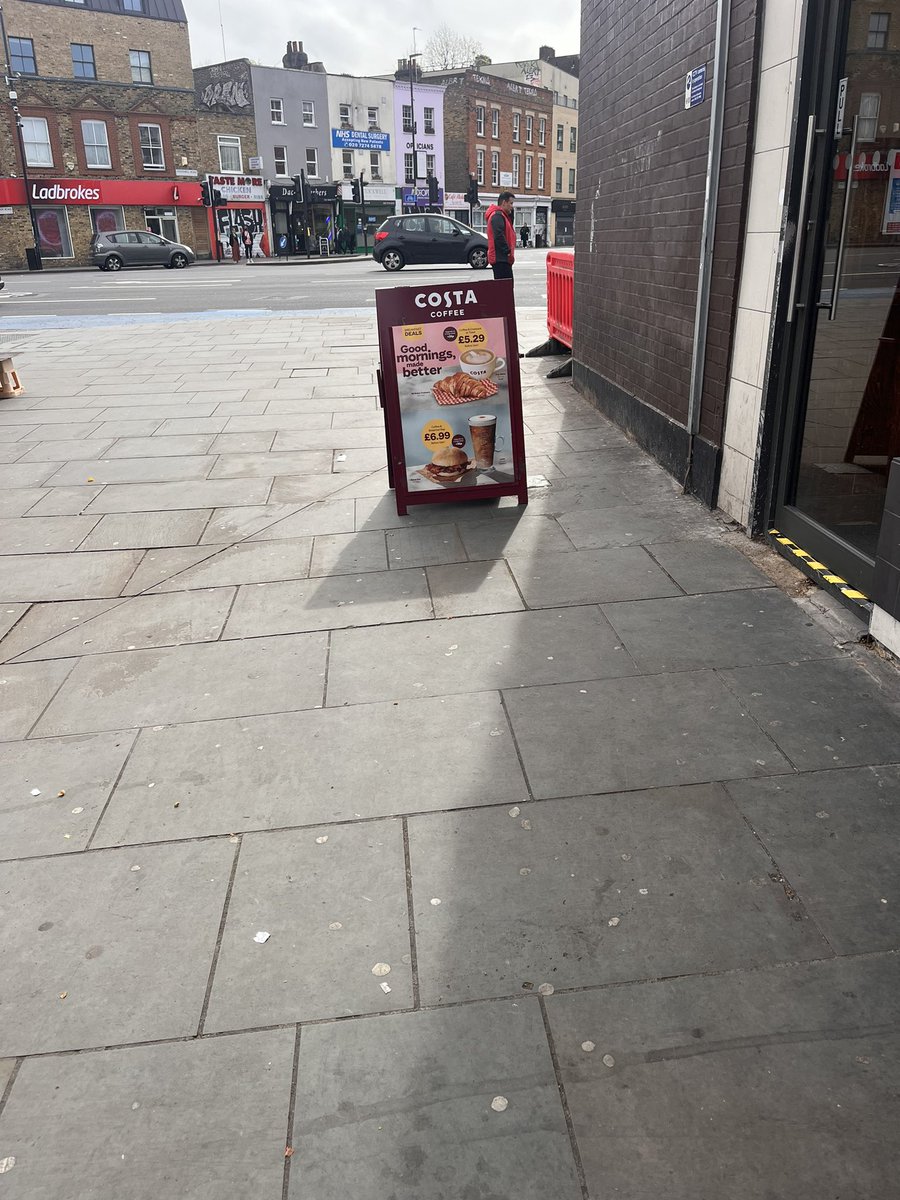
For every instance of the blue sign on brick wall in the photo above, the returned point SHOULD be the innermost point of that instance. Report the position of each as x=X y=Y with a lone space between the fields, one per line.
x=360 y=139
x=417 y=197
x=695 y=87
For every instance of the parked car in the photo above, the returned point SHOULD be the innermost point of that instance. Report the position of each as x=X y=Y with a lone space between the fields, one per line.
x=428 y=238
x=132 y=248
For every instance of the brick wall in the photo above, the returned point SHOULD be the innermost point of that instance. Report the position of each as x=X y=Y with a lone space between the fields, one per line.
x=641 y=182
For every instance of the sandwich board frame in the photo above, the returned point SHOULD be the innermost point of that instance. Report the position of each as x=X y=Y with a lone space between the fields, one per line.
x=449 y=377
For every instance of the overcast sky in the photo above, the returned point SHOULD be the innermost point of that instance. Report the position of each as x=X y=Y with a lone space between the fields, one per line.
x=364 y=39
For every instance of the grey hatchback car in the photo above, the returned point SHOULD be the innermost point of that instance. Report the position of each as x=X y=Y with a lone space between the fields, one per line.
x=127 y=248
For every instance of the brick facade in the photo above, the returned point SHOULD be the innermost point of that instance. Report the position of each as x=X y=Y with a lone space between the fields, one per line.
x=642 y=177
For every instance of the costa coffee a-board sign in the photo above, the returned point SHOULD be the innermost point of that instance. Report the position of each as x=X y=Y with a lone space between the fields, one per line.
x=452 y=392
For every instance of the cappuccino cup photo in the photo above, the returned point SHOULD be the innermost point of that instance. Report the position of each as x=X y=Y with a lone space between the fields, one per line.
x=480 y=364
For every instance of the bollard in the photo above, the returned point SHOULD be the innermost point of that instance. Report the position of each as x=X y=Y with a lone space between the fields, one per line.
x=9 y=379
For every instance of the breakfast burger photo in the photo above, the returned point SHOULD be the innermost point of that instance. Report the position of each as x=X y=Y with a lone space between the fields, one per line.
x=448 y=465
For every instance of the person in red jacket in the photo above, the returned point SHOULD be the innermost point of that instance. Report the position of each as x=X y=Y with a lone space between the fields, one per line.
x=501 y=236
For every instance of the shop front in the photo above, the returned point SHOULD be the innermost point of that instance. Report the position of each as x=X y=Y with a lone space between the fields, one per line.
x=68 y=212
x=456 y=206
x=287 y=220
x=418 y=199
x=244 y=209
x=562 y=229
x=380 y=204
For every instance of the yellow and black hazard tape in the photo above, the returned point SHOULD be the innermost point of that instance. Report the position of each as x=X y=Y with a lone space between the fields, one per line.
x=818 y=571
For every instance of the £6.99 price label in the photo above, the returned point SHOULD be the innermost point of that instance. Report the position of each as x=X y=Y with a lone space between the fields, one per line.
x=436 y=433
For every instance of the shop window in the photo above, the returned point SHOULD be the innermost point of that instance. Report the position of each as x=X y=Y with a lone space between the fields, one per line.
x=36 y=136
x=479 y=120
x=53 y=232
x=375 y=165
x=479 y=166
x=281 y=163
x=309 y=112
x=495 y=123
x=95 y=137
x=230 y=158
x=878 y=30
x=107 y=220
x=407 y=118
x=347 y=163
x=140 y=66
x=572 y=181
x=373 y=118
x=517 y=127
x=529 y=163
x=276 y=111
x=312 y=162
x=83 y=66
x=495 y=168
x=21 y=56
x=162 y=221
x=573 y=139
x=517 y=164
x=152 y=156
x=428 y=118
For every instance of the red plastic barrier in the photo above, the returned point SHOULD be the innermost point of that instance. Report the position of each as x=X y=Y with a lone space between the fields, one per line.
x=560 y=295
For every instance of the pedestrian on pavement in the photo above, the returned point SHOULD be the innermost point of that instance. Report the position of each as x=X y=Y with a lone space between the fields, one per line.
x=339 y=240
x=526 y=234
x=247 y=238
x=235 y=246
x=501 y=236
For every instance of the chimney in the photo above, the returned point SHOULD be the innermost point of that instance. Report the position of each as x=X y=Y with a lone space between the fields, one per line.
x=295 y=59
x=546 y=54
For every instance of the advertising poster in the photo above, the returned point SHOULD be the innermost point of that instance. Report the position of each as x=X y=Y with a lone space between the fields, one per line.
x=891 y=221
x=452 y=394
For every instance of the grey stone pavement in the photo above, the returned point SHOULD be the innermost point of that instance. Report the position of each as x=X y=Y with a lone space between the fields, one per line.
x=573 y=835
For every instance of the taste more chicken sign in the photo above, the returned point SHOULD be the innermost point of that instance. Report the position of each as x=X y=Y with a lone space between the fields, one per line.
x=452 y=393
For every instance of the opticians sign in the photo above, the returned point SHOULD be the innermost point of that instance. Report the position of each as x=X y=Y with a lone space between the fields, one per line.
x=239 y=188
x=360 y=139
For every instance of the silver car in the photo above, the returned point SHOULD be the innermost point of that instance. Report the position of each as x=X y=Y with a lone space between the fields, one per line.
x=127 y=248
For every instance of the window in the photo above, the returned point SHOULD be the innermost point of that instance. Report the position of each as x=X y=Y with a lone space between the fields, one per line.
x=83 y=61
x=276 y=112
x=878 y=30
x=574 y=101
x=407 y=118
x=162 y=221
x=21 y=56
x=140 y=66
x=517 y=127
x=53 y=232
x=347 y=163
x=560 y=134
x=281 y=167
x=133 y=5
x=517 y=159
x=529 y=129
x=565 y=100
x=495 y=123
x=312 y=162
x=152 y=155
x=529 y=162
x=429 y=164
x=428 y=118
x=372 y=116
x=107 y=220
x=573 y=139
x=375 y=164
x=558 y=185
x=344 y=111
x=409 y=168
x=230 y=157
x=542 y=131
x=572 y=179
x=542 y=165
x=479 y=166
x=309 y=112
x=96 y=144
x=441 y=226
x=495 y=168
x=479 y=119
x=36 y=137
x=869 y=107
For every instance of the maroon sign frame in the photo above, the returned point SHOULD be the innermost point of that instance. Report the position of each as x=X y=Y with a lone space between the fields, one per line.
x=452 y=392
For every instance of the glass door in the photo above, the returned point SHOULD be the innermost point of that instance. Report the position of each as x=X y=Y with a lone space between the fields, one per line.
x=844 y=407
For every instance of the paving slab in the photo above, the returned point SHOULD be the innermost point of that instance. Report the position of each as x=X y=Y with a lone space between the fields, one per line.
x=400 y=1107
x=723 y=629
x=74 y=777
x=39 y=535
x=147 y=531
x=320 y=517
x=246 y=443
x=75 y=576
x=135 y=470
x=43 y=621
x=165 y=620
x=247 y=466
x=834 y=834
x=470 y=589
x=380 y=512
x=199 y=493
x=118 y=942
x=15 y=502
x=63 y=501
x=348 y=553
x=188 y=683
x=67 y=450
x=589 y=577
x=369 y=760
x=330 y=602
x=633 y=525
x=304 y=489
x=247 y=562
x=334 y=901
x=9 y=615
x=126 y=429
x=527 y=894
x=518 y=533
x=161 y=447
x=593 y=437
x=424 y=545
x=28 y=474
x=501 y=650
x=25 y=692
x=689 y=1108
x=341 y=440
x=578 y=739
x=167 y=1104
x=161 y=564
x=179 y=426
x=822 y=714
x=234 y=524
x=708 y=566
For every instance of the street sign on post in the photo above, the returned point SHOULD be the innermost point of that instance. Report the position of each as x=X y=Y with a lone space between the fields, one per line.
x=362 y=201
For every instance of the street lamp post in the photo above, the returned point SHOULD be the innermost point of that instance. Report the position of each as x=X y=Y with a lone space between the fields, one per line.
x=412 y=117
x=34 y=264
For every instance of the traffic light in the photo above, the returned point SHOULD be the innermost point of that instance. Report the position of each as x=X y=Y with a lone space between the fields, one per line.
x=206 y=194
x=218 y=200
x=298 y=187
x=357 y=191
x=472 y=193
x=433 y=191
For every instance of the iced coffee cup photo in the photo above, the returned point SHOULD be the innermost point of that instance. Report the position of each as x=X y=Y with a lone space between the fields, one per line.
x=483 y=436
x=480 y=364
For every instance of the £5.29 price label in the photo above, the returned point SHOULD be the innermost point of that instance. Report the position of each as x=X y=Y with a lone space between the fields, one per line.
x=471 y=336
x=435 y=434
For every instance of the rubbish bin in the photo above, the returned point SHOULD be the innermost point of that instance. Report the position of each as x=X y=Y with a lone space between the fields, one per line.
x=33 y=258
